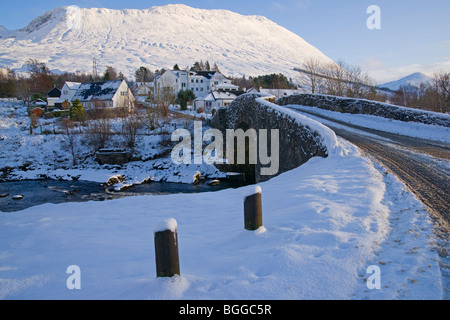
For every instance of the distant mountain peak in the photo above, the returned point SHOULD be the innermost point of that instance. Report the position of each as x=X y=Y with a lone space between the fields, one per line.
x=415 y=80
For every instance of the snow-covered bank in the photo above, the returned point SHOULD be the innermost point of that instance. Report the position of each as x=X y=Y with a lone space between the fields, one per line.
x=325 y=223
x=46 y=155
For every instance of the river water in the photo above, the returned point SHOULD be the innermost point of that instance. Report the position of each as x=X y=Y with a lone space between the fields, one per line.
x=38 y=192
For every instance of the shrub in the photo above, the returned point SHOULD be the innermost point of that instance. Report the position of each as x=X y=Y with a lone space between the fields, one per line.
x=76 y=112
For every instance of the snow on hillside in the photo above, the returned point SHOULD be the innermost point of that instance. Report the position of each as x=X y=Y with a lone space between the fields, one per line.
x=415 y=80
x=159 y=37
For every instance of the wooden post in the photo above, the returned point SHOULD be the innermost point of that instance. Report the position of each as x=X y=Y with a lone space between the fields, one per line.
x=253 y=210
x=166 y=250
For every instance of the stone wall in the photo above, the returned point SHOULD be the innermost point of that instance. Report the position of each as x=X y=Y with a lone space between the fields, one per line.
x=358 y=106
x=297 y=143
x=113 y=157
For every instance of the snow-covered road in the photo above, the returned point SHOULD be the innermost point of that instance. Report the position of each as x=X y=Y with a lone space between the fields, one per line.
x=422 y=164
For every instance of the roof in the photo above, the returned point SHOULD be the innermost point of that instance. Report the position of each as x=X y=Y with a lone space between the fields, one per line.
x=73 y=85
x=227 y=95
x=280 y=92
x=97 y=90
x=209 y=97
x=206 y=74
x=225 y=86
x=54 y=93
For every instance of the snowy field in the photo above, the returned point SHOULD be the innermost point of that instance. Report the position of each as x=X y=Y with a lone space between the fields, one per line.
x=325 y=223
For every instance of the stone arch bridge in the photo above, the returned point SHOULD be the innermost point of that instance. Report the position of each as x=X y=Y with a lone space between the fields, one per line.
x=298 y=140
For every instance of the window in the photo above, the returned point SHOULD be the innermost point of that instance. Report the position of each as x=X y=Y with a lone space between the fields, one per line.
x=196 y=81
x=201 y=81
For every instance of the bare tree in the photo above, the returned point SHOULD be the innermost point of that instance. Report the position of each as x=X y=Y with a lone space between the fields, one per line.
x=151 y=113
x=313 y=70
x=441 y=84
x=335 y=75
x=69 y=134
x=165 y=96
x=130 y=127
x=99 y=128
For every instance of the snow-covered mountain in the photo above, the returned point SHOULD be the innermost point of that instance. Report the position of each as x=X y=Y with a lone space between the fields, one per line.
x=69 y=38
x=415 y=80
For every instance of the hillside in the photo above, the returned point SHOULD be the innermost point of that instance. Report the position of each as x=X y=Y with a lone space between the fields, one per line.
x=68 y=39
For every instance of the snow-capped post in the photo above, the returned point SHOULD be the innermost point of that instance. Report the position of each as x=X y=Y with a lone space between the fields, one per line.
x=253 y=209
x=166 y=249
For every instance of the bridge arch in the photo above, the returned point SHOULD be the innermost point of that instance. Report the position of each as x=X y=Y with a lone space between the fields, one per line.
x=298 y=141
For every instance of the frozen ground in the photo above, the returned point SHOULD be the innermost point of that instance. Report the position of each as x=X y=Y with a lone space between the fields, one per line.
x=325 y=223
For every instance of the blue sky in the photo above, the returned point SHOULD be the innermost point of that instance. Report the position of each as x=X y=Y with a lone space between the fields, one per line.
x=414 y=35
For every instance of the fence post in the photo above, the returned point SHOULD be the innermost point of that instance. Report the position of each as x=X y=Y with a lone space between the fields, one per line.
x=253 y=209
x=166 y=250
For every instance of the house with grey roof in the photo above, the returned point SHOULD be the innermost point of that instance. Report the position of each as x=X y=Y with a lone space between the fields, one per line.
x=216 y=100
x=105 y=95
x=67 y=92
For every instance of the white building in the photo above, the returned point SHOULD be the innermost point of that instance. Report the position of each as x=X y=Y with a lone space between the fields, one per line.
x=143 y=89
x=53 y=96
x=280 y=93
x=200 y=82
x=109 y=94
x=215 y=100
x=172 y=80
x=68 y=91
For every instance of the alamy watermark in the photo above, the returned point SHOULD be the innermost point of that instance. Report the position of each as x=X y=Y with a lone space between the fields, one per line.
x=74 y=280
x=374 y=20
x=374 y=280
x=239 y=144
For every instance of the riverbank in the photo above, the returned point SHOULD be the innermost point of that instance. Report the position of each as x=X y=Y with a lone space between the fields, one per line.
x=50 y=153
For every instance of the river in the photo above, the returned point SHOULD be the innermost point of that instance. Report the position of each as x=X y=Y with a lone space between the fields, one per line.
x=38 y=192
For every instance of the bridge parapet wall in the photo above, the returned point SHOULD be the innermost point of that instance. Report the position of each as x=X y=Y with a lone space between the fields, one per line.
x=360 y=106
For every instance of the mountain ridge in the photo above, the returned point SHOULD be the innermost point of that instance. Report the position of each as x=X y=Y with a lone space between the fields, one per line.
x=157 y=37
